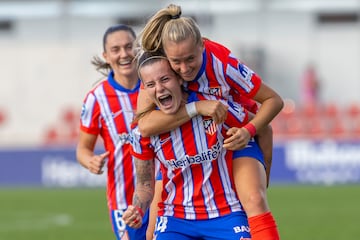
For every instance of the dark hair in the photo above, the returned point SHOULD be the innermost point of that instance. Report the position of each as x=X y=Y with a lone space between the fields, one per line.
x=97 y=61
x=144 y=58
x=115 y=28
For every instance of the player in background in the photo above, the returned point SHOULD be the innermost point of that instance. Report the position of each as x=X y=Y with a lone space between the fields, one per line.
x=211 y=68
x=108 y=111
x=198 y=191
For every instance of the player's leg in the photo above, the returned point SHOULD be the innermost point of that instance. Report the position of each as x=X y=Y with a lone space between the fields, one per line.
x=250 y=180
x=250 y=183
x=264 y=139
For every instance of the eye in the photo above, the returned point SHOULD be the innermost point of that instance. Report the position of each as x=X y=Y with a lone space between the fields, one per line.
x=175 y=62
x=114 y=50
x=165 y=79
x=190 y=59
x=149 y=85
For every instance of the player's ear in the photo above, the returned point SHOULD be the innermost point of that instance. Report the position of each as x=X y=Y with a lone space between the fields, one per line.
x=105 y=57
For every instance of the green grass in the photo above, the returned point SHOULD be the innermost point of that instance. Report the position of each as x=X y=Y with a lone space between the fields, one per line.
x=316 y=212
x=301 y=212
x=54 y=214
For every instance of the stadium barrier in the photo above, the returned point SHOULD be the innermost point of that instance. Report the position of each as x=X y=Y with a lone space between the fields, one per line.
x=298 y=161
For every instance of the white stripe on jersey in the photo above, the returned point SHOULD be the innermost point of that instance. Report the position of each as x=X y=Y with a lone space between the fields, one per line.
x=127 y=109
x=242 y=77
x=218 y=70
x=230 y=195
x=87 y=114
x=171 y=190
x=107 y=113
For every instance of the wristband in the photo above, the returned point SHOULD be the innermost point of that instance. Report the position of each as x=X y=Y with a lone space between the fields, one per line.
x=251 y=128
x=140 y=211
x=191 y=109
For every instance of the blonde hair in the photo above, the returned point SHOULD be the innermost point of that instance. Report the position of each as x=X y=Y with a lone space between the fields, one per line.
x=168 y=25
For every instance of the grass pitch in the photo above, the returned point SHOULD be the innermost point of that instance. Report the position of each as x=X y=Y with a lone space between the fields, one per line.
x=301 y=212
x=54 y=214
x=316 y=212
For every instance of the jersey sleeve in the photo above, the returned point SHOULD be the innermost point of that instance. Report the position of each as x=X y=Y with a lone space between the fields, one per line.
x=141 y=146
x=241 y=78
x=90 y=115
x=237 y=115
x=248 y=103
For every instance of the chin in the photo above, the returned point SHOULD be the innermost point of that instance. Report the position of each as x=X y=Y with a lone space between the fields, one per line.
x=168 y=111
x=188 y=78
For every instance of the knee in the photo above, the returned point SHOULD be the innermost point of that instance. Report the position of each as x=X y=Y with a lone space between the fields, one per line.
x=255 y=202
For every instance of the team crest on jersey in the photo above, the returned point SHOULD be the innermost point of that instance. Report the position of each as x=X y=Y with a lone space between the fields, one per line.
x=209 y=125
x=216 y=91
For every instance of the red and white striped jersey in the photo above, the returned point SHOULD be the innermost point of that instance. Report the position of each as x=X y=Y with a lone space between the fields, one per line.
x=108 y=111
x=195 y=168
x=223 y=75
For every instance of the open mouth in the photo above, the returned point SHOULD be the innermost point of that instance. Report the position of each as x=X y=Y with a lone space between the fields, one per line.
x=165 y=100
x=124 y=63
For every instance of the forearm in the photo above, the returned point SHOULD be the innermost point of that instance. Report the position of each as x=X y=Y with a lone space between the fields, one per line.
x=85 y=148
x=267 y=112
x=83 y=156
x=156 y=122
x=145 y=184
x=271 y=105
x=153 y=122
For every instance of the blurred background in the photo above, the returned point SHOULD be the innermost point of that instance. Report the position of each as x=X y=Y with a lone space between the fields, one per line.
x=307 y=50
x=46 y=48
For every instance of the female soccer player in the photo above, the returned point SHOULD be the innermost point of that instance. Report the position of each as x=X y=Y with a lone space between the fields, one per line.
x=108 y=110
x=198 y=198
x=210 y=68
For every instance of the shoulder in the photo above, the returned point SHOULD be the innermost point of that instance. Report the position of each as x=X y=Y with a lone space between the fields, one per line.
x=215 y=47
x=98 y=84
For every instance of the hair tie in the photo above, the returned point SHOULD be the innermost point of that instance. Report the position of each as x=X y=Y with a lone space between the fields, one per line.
x=176 y=16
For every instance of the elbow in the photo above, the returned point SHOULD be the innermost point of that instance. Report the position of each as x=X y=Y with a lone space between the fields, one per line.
x=281 y=104
x=143 y=129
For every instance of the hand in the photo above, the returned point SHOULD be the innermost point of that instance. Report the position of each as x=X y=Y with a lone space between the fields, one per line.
x=132 y=217
x=212 y=108
x=97 y=163
x=239 y=138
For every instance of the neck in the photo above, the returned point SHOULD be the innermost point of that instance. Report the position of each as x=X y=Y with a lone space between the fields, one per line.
x=127 y=81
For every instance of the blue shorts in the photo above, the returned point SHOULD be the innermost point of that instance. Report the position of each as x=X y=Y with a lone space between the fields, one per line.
x=228 y=227
x=122 y=231
x=251 y=150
